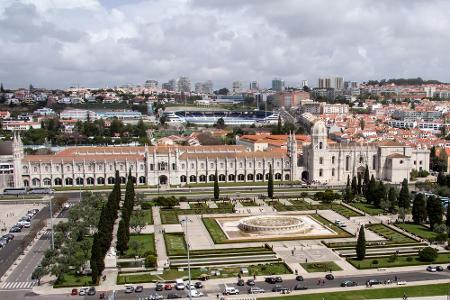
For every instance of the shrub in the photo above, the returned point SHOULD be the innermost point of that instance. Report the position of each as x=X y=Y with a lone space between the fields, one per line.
x=150 y=261
x=428 y=254
x=393 y=258
x=146 y=205
x=409 y=258
x=375 y=262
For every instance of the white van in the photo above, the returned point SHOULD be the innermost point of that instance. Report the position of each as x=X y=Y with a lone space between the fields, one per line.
x=179 y=284
x=230 y=290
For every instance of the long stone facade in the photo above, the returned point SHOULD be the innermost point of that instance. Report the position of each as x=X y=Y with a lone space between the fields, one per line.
x=321 y=161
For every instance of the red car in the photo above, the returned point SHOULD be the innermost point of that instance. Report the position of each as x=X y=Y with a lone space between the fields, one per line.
x=168 y=287
x=74 y=292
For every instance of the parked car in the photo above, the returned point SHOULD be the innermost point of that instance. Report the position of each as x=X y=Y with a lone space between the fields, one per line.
x=3 y=242
x=299 y=278
x=74 y=292
x=159 y=287
x=91 y=291
x=251 y=282
x=278 y=279
x=300 y=287
x=129 y=289
x=271 y=280
x=154 y=297
x=256 y=290
x=168 y=287
x=403 y=282
x=198 y=285
x=15 y=229
x=439 y=268
x=195 y=294
x=348 y=283
x=279 y=288
x=374 y=282
x=139 y=289
x=241 y=282
x=8 y=236
x=431 y=269
x=173 y=296
x=83 y=291
x=329 y=276
x=230 y=290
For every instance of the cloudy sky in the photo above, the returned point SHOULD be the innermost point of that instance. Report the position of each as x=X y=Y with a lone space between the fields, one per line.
x=96 y=43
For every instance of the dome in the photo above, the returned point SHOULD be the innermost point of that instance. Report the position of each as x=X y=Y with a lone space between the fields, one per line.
x=319 y=128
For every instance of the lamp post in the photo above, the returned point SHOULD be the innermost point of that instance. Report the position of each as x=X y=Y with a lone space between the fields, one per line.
x=186 y=220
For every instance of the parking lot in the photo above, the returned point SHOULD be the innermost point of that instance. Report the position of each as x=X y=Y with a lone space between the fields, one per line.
x=11 y=213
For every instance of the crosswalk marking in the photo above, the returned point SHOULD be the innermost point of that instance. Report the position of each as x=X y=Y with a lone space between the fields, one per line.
x=16 y=285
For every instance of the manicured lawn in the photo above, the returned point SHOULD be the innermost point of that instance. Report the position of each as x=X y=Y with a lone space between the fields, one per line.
x=419 y=230
x=214 y=230
x=341 y=232
x=269 y=269
x=70 y=280
x=148 y=216
x=401 y=261
x=391 y=235
x=169 y=216
x=148 y=245
x=225 y=205
x=249 y=203
x=345 y=211
x=134 y=278
x=175 y=243
x=368 y=208
x=198 y=205
x=398 y=292
x=321 y=266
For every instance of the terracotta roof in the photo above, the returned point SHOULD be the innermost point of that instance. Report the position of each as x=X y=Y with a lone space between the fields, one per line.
x=257 y=154
x=397 y=155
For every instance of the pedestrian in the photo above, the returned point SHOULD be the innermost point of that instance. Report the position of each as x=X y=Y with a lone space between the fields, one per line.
x=395 y=278
x=254 y=276
x=217 y=295
x=306 y=260
x=323 y=281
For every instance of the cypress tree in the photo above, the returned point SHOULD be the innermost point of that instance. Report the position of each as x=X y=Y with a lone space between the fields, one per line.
x=122 y=238
x=216 y=187
x=359 y=186
x=270 y=184
x=366 y=180
x=447 y=221
x=371 y=190
x=354 y=186
x=441 y=180
x=404 y=197
x=361 y=244
x=435 y=211
x=419 y=209
x=392 y=197
x=348 y=181
x=95 y=251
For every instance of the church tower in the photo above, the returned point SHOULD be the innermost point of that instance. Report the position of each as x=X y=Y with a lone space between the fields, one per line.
x=316 y=160
x=293 y=155
x=18 y=155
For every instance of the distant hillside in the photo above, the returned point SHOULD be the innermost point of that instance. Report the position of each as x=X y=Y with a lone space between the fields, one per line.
x=403 y=81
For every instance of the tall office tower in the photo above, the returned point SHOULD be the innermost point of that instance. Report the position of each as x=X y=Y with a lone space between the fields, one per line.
x=254 y=86
x=237 y=87
x=184 y=84
x=198 y=87
x=336 y=83
x=205 y=87
x=277 y=84
x=171 y=85
x=151 y=84
x=304 y=83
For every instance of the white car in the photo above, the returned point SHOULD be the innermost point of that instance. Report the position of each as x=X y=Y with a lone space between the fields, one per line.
x=401 y=282
x=431 y=269
x=24 y=223
x=83 y=291
x=129 y=289
x=194 y=293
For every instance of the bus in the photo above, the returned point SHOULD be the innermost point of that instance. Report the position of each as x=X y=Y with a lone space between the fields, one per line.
x=41 y=191
x=15 y=191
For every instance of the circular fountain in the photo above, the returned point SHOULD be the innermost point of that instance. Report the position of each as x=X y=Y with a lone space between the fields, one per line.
x=273 y=224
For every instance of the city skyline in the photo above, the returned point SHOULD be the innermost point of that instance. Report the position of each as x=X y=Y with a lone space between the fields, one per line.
x=106 y=43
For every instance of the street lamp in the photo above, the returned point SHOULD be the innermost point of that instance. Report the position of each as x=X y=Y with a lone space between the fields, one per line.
x=186 y=220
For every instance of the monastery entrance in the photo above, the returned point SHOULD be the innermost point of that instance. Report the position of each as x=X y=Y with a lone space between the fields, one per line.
x=163 y=180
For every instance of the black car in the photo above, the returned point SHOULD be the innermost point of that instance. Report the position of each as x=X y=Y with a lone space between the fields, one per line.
x=448 y=267
x=329 y=276
x=300 y=287
x=139 y=289
x=299 y=278
x=278 y=279
x=251 y=282
x=279 y=288
x=348 y=283
x=241 y=282
x=91 y=291
x=439 y=268
x=8 y=236
x=271 y=280
x=15 y=229
x=173 y=296
x=198 y=285
x=159 y=287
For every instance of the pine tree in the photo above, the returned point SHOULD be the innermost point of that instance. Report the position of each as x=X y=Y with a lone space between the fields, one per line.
x=354 y=186
x=434 y=211
x=361 y=244
x=270 y=184
x=419 y=209
x=366 y=180
x=216 y=187
x=404 y=199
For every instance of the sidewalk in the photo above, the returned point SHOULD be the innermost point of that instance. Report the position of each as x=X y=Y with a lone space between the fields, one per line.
x=160 y=244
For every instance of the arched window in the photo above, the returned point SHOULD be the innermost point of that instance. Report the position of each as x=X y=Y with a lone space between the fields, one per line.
x=58 y=181
x=259 y=176
x=100 y=180
x=361 y=159
x=321 y=160
x=211 y=177
x=332 y=172
x=142 y=179
x=26 y=183
x=267 y=176
x=192 y=178
x=320 y=172
x=133 y=179
x=287 y=177
x=347 y=163
x=332 y=160
x=222 y=177
x=111 y=180
x=231 y=177
x=183 y=178
x=47 y=181
x=36 y=182
x=249 y=176
x=123 y=180
x=241 y=177
x=90 y=181
x=69 y=181
x=202 y=178
x=79 y=181
x=277 y=176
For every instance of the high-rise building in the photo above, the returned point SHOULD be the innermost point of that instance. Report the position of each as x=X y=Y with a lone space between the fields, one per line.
x=304 y=83
x=277 y=84
x=237 y=87
x=184 y=84
x=254 y=86
x=151 y=84
x=205 y=87
x=331 y=83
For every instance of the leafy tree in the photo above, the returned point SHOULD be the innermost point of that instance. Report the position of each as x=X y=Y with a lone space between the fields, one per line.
x=216 y=187
x=441 y=180
x=167 y=201
x=434 y=211
x=270 y=184
x=361 y=244
x=220 y=123
x=38 y=273
x=404 y=199
x=135 y=246
x=402 y=213
x=428 y=254
x=137 y=221
x=419 y=209
x=150 y=261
